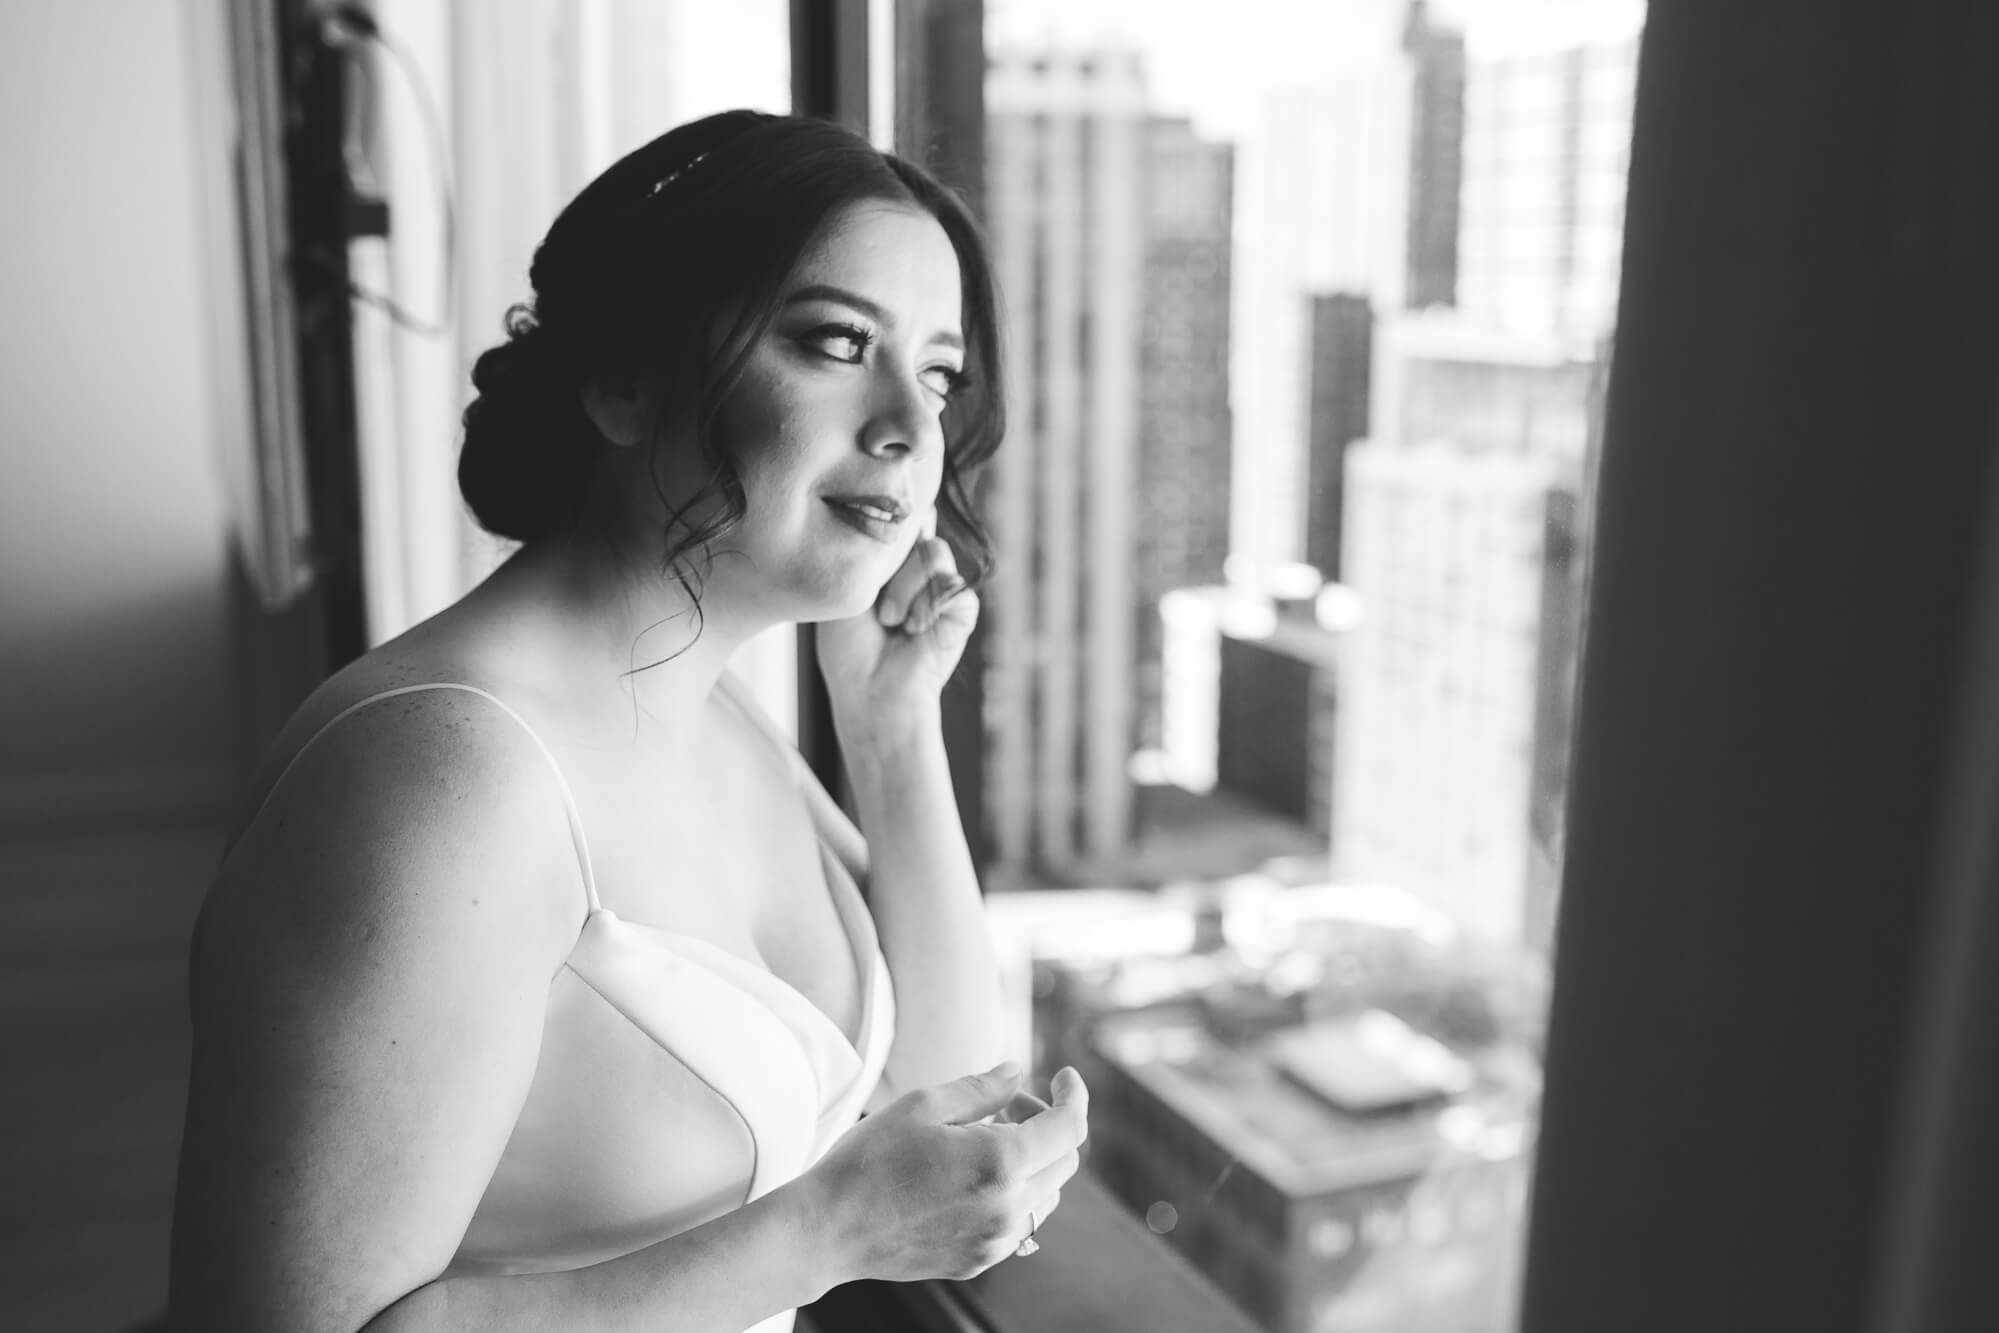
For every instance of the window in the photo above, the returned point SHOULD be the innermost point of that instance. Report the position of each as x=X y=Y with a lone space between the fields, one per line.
x=1277 y=869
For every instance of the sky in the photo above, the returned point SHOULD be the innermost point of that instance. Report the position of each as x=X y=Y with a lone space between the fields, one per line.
x=1213 y=61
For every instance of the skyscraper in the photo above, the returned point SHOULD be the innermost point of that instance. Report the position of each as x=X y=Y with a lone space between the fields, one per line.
x=1547 y=141
x=1436 y=757
x=1468 y=512
x=1323 y=208
x=1436 y=130
x=1066 y=161
x=1342 y=351
x=1456 y=375
x=1182 y=526
x=1349 y=184
x=1278 y=701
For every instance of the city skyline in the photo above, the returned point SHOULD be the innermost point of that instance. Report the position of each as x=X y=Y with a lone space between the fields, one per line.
x=1066 y=151
x=1514 y=146
x=1365 y=339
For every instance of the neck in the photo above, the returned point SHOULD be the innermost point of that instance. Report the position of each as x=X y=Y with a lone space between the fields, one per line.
x=623 y=629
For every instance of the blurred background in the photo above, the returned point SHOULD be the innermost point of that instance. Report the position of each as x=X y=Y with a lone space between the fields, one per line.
x=1264 y=743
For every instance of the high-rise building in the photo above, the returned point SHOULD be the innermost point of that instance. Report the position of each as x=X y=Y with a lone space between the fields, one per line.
x=1191 y=684
x=1278 y=696
x=1546 y=148
x=1323 y=207
x=1067 y=140
x=1182 y=525
x=1342 y=352
x=1349 y=184
x=1467 y=514
x=1437 y=755
x=1465 y=528
x=1436 y=129
x=1450 y=375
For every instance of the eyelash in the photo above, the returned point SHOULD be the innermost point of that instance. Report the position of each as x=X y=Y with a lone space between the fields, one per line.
x=954 y=380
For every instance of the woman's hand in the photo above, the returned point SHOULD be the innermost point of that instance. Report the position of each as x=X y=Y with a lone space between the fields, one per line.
x=902 y=650
x=923 y=1189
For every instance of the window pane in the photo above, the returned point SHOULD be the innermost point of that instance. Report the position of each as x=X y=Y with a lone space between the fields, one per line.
x=672 y=61
x=1311 y=308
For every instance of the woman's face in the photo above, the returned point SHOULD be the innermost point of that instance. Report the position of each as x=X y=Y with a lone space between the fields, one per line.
x=835 y=425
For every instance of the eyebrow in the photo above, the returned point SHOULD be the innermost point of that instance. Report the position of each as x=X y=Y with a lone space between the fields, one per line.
x=825 y=292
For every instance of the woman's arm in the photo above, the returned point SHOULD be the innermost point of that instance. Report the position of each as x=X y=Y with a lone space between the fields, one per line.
x=368 y=990
x=919 y=1189
x=884 y=672
x=925 y=897
x=724 y=1276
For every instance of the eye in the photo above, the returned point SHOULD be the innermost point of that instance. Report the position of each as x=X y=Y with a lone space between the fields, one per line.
x=842 y=342
x=945 y=380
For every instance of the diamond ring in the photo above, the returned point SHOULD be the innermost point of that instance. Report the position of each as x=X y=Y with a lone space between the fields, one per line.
x=1029 y=1245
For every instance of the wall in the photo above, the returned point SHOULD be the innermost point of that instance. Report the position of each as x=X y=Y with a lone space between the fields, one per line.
x=114 y=572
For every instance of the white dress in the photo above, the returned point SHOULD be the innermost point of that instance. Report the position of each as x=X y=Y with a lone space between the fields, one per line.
x=676 y=1081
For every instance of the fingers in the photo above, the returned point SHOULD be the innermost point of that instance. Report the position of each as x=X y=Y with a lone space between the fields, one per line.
x=927 y=579
x=1035 y=1224
x=1061 y=1129
x=952 y=600
x=1051 y=1178
x=1067 y=1086
x=1024 y=1106
x=973 y=1097
x=903 y=586
x=1044 y=1196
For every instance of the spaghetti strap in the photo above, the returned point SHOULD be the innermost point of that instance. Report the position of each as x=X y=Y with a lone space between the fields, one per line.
x=562 y=784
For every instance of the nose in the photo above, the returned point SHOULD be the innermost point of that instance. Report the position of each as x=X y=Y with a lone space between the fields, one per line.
x=903 y=420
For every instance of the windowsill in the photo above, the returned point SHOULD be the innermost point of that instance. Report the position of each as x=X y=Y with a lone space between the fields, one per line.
x=1100 y=1270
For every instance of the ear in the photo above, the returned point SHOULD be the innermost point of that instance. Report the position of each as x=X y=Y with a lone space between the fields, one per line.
x=617 y=408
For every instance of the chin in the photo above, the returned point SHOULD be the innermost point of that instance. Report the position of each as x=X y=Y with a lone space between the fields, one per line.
x=821 y=610
x=831 y=594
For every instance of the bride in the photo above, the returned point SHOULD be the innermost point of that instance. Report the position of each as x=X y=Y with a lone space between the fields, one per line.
x=537 y=989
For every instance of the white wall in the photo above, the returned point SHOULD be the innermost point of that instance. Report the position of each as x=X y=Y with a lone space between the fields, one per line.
x=113 y=564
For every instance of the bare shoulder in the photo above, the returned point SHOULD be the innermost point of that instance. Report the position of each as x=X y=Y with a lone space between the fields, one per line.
x=369 y=982
x=422 y=802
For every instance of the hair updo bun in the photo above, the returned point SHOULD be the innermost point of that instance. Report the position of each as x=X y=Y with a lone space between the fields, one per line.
x=529 y=447
x=669 y=267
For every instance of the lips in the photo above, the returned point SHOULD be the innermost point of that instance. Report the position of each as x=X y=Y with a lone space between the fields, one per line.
x=879 y=516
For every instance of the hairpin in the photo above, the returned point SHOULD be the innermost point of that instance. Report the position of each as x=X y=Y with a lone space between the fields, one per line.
x=674 y=175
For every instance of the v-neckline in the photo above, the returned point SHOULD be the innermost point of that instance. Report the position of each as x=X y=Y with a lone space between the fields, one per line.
x=738 y=970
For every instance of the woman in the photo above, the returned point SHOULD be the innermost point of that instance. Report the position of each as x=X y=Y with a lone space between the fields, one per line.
x=536 y=991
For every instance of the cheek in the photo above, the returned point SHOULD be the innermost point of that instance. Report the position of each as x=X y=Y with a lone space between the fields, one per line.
x=754 y=414
x=766 y=432
x=931 y=480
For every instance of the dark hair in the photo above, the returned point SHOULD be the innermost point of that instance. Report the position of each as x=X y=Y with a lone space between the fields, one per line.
x=639 y=270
